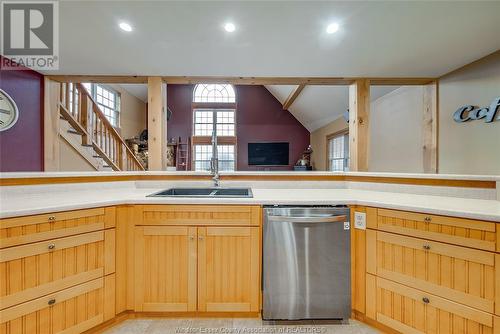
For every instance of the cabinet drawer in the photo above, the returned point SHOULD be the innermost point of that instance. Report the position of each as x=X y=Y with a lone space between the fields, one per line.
x=457 y=273
x=72 y=310
x=199 y=215
x=28 y=229
x=34 y=270
x=411 y=311
x=458 y=231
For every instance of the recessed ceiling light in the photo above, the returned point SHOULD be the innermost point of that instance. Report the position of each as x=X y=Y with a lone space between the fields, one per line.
x=125 y=27
x=229 y=27
x=332 y=28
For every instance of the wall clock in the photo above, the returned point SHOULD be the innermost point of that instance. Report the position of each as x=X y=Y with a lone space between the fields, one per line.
x=8 y=111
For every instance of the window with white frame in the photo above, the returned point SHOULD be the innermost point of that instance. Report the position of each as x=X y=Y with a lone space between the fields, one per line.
x=338 y=152
x=108 y=100
x=214 y=110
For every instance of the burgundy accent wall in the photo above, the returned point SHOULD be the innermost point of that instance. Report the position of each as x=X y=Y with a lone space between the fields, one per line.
x=21 y=147
x=259 y=116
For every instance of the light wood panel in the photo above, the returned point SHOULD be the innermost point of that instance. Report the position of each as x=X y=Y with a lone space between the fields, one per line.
x=430 y=128
x=431 y=181
x=43 y=270
x=463 y=275
x=412 y=311
x=228 y=269
x=458 y=231
x=73 y=310
x=157 y=124
x=200 y=215
x=165 y=268
x=51 y=155
x=359 y=116
x=242 y=80
x=358 y=264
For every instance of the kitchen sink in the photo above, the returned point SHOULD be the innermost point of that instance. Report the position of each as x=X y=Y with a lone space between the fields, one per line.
x=205 y=192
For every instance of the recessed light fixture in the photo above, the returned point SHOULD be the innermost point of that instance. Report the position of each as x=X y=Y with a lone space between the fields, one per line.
x=125 y=27
x=229 y=27
x=332 y=28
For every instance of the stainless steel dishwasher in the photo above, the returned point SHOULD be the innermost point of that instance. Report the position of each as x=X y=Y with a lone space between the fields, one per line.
x=306 y=263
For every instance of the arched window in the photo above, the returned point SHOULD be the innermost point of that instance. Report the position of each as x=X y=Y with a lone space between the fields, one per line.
x=214 y=111
x=214 y=93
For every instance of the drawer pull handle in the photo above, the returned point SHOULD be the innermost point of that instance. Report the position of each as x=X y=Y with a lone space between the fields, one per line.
x=200 y=238
x=427 y=219
x=51 y=246
x=426 y=300
x=52 y=218
x=51 y=301
x=427 y=247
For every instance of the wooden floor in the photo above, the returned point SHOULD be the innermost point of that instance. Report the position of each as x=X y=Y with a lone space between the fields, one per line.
x=193 y=326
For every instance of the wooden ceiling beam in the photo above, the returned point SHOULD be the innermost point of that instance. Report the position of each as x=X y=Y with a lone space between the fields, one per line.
x=293 y=96
x=321 y=81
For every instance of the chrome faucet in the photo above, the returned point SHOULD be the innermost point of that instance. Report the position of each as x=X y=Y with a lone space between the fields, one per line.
x=214 y=161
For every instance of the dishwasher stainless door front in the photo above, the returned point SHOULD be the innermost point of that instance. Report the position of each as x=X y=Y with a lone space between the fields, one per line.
x=306 y=264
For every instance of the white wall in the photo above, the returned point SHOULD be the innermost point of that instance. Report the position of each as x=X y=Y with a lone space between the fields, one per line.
x=396 y=131
x=472 y=147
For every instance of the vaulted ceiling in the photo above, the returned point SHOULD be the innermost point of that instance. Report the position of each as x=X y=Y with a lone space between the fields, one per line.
x=275 y=38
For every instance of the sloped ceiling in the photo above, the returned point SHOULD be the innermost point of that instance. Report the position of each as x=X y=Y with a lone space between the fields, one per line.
x=138 y=90
x=317 y=106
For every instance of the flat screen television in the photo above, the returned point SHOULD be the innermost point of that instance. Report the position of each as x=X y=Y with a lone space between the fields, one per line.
x=268 y=154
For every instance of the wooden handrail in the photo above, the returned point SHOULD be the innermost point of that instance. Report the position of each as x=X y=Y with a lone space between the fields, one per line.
x=85 y=115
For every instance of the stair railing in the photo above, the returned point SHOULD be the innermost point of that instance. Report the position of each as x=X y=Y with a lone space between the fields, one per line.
x=78 y=107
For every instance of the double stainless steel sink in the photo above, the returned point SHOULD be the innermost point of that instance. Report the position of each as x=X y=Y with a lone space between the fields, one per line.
x=205 y=192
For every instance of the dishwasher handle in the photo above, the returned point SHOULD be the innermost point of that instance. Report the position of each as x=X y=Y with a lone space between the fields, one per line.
x=331 y=219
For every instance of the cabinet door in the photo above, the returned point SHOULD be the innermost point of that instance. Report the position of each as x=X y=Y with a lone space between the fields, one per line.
x=165 y=268
x=73 y=310
x=464 y=275
x=228 y=269
x=412 y=311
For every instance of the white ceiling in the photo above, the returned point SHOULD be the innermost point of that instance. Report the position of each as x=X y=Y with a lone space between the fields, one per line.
x=317 y=106
x=138 y=90
x=275 y=38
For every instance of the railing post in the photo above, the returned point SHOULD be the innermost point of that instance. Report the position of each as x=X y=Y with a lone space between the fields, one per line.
x=122 y=157
x=85 y=119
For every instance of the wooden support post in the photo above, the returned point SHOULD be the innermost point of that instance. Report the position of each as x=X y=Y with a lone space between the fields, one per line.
x=430 y=128
x=359 y=116
x=157 y=124
x=85 y=118
x=52 y=91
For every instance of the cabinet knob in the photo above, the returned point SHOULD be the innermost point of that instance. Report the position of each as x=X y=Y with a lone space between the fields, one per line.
x=200 y=238
x=51 y=301
x=427 y=219
x=427 y=247
x=52 y=218
x=426 y=300
x=191 y=238
x=51 y=246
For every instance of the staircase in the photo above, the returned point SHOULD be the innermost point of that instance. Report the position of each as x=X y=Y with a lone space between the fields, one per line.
x=74 y=139
x=85 y=127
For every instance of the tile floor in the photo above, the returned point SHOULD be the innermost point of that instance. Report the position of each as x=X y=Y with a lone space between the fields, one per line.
x=232 y=326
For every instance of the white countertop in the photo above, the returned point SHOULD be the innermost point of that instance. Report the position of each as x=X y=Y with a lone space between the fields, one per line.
x=20 y=203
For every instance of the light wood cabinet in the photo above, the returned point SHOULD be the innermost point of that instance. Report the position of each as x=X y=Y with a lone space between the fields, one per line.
x=457 y=231
x=413 y=311
x=213 y=266
x=429 y=273
x=165 y=268
x=55 y=270
x=228 y=269
x=457 y=273
x=72 y=310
